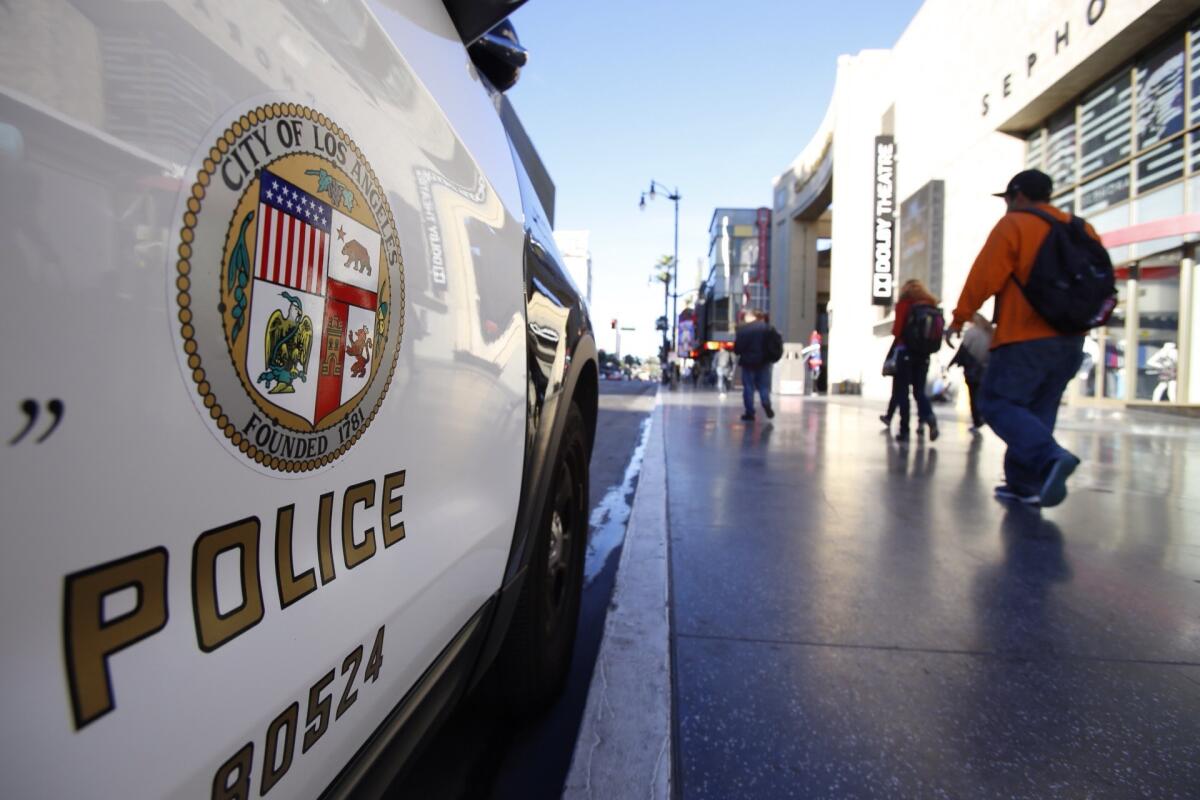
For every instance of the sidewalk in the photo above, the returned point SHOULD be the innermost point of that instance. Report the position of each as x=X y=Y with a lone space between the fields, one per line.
x=855 y=618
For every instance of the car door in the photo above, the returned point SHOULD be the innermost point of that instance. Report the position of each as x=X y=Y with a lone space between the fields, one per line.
x=264 y=360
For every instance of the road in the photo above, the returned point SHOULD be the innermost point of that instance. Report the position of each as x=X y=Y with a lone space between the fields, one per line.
x=479 y=756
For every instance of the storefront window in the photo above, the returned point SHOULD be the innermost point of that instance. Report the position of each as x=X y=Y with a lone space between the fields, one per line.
x=1160 y=96
x=1105 y=125
x=1111 y=220
x=1158 y=329
x=1194 y=57
x=1089 y=368
x=1060 y=149
x=1128 y=152
x=1105 y=191
x=1161 y=204
x=1114 y=343
x=1034 y=150
x=1160 y=166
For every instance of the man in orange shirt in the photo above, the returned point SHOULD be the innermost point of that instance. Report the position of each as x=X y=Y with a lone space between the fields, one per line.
x=1031 y=362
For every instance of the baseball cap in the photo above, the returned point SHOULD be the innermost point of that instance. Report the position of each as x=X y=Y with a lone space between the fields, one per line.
x=1033 y=183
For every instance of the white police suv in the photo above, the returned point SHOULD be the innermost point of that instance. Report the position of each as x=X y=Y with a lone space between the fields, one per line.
x=297 y=399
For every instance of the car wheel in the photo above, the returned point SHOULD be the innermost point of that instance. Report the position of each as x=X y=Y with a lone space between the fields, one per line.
x=532 y=665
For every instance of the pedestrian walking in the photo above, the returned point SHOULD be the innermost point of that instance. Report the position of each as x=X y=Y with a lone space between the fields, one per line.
x=889 y=371
x=972 y=356
x=757 y=345
x=918 y=322
x=1052 y=280
x=724 y=369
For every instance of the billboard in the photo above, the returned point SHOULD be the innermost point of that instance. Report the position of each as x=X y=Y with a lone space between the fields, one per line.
x=921 y=230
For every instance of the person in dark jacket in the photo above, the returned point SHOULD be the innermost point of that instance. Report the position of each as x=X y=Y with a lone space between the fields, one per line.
x=972 y=356
x=911 y=368
x=750 y=346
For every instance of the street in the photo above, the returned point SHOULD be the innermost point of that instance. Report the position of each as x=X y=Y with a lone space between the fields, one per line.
x=478 y=756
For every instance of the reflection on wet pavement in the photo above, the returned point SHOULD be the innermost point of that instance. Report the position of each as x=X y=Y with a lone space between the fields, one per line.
x=857 y=617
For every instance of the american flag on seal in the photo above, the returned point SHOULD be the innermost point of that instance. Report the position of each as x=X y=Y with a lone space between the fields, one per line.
x=293 y=241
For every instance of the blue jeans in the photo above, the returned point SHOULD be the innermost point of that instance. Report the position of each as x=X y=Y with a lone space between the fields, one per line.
x=756 y=379
x=911 y=372
x=1021 y=390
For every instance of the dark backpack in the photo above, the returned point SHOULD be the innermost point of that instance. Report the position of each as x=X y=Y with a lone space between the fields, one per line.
x=773 y=345
x=1071 y=284
x=923 y=330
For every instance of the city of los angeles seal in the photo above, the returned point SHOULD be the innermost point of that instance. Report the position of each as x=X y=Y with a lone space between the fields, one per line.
x=289 y=289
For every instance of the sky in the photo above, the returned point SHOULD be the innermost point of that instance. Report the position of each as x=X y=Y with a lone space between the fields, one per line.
x=715 y=98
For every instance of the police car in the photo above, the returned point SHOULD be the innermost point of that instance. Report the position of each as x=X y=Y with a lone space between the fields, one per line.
x=298 y=398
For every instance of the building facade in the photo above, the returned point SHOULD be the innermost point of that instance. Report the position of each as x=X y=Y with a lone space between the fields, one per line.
x=739 y=246
x=1103 y=95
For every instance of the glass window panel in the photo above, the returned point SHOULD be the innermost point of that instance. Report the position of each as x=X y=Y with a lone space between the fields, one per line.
x=1113 y=358
x=1066 y=202
x=1105 y=125
x=1111 y=220
x=1060 y=149
x=1194 y=145
x=1034 y=150
x=1164 y=203
x=1105 y=191
x=1191 y=348
x=1160 y=96
x=1193 y=200
x=1089 y=368
x=1160 y=166
x=1157 y=333
x=1195 y=73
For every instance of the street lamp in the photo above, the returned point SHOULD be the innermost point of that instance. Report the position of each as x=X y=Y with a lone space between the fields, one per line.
x=673 y=196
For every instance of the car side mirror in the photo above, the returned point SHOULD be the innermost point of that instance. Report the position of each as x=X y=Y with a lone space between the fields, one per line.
x=499 y=56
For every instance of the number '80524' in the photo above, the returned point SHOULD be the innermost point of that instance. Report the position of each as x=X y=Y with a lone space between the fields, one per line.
x=234 y=778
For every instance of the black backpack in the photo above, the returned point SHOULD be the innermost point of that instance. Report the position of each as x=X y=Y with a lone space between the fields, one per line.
x=773 y=345
x=1071 y=284
x=923 y=330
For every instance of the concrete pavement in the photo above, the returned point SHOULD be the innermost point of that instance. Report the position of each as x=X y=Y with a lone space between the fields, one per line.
x=856 y=618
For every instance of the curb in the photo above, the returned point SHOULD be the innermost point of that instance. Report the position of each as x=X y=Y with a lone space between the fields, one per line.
x=624 y=744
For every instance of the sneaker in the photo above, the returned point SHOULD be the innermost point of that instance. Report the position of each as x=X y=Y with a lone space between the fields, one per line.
x=747 y=417
x=770 y=412
x=902 y=435
x=933 y=430
x=886 y=420
x=1006 y=492
x=1054 y=488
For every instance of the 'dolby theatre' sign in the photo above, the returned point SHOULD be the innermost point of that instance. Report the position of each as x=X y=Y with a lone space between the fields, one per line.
x=884 y=227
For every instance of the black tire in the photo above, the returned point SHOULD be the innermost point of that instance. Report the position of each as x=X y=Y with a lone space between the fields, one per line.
x=535 y=658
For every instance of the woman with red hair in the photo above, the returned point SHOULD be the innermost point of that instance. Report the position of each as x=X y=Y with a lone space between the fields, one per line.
x=911 y=367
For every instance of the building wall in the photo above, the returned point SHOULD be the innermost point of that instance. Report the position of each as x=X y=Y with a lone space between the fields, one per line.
x=733 y=248
x=862 y=95
x=960 y=76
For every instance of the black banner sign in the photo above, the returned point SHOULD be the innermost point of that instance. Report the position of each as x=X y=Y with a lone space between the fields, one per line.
x=884 y=225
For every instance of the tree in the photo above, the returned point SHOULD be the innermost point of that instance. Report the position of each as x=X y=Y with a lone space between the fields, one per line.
x=632 y=361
